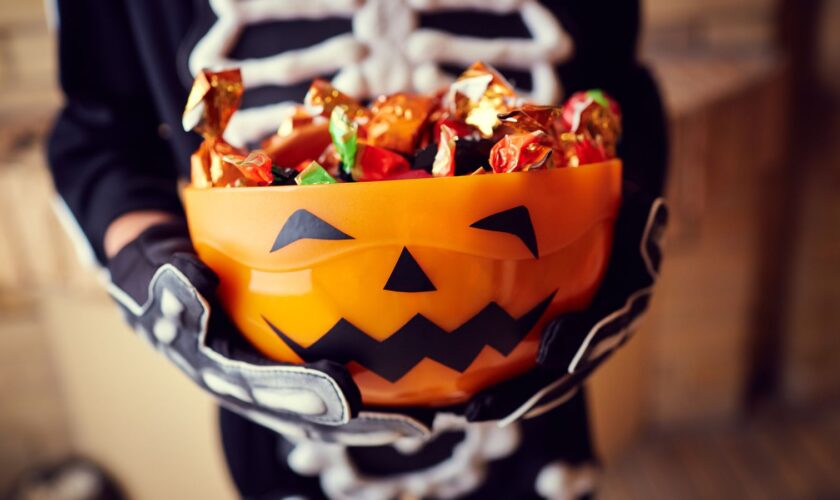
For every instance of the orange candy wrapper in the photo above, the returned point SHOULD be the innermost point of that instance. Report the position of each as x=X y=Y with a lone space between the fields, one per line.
x=256 y=167
x=398 y=120
x=396 y=137
x=322 y=98
x=214 y=97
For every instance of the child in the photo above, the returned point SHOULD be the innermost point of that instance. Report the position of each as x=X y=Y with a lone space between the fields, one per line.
x=118 y=150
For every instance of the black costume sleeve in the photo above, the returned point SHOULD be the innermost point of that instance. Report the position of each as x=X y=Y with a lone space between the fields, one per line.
x=105 y=151
x=611 y=62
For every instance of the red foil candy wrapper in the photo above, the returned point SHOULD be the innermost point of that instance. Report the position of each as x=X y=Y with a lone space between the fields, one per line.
x=377 y=164
x=578 y=149
x=520 y=153
x=575 y=106
x=595 y=118
x=533 y=118
x=460 y=129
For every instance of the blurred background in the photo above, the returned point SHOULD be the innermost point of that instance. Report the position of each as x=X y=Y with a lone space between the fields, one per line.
x=730 y=389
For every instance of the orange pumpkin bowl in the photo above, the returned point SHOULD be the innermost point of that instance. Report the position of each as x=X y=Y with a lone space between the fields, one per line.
x=428 y=289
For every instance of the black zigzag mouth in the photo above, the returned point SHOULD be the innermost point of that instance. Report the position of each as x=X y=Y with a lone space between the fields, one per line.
x=420 y=338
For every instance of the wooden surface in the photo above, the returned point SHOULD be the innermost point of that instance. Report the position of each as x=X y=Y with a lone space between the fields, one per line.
x=776 y=455
x=726 y=178
x=811 y=348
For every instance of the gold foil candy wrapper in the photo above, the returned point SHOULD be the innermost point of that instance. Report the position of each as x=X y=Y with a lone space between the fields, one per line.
x=208 y=169
x=601 y=126
x=322 y=98
x=214 y=97
x=479 y=96
x=200 y=167
x=398 y=120
x=222 y=172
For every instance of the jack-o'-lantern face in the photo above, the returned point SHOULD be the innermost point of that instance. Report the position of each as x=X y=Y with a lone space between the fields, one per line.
x=429 y=290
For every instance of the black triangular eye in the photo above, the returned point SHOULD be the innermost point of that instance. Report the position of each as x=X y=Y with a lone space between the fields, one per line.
x=515 y=221
x=303 y=224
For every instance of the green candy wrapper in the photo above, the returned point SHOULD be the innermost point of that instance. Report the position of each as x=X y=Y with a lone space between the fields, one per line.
x=314 y=174
x=344 y=133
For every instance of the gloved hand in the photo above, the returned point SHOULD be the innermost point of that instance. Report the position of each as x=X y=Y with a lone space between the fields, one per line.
x=574 y=344
x=167 y=295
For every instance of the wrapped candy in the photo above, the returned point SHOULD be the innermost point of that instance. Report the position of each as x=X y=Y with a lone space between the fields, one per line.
x=460 y=128
x=398 y=120
x=533 y=118
x=330 y=160
x=575 y=107
x=345 y=136
x=213 y=99
x=377 y=164
x=200 y=167
x=475 y=126
x=479 y=96
x=520 y=152
x=209 y=168
x=578 y=149
x=322 y=98
x=585 y=130
x=444 y=164
x=314 y=174
x=303 y=143
x=256 y=167
x=595 y=119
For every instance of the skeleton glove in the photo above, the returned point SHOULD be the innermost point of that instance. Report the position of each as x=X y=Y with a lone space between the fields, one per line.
x=574 y=344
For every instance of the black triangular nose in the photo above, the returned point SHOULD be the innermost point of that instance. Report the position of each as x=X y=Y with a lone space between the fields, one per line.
x=407 y=276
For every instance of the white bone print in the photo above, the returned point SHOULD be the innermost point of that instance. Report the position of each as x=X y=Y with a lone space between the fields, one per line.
x=386 y=52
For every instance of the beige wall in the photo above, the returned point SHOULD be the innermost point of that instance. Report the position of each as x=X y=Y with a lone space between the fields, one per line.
x=131 y=410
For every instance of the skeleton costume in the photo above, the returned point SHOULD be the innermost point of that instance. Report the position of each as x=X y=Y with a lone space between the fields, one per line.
x=302 y=431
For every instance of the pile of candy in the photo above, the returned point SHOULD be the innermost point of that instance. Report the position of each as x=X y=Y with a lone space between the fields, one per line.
x=477 y=125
